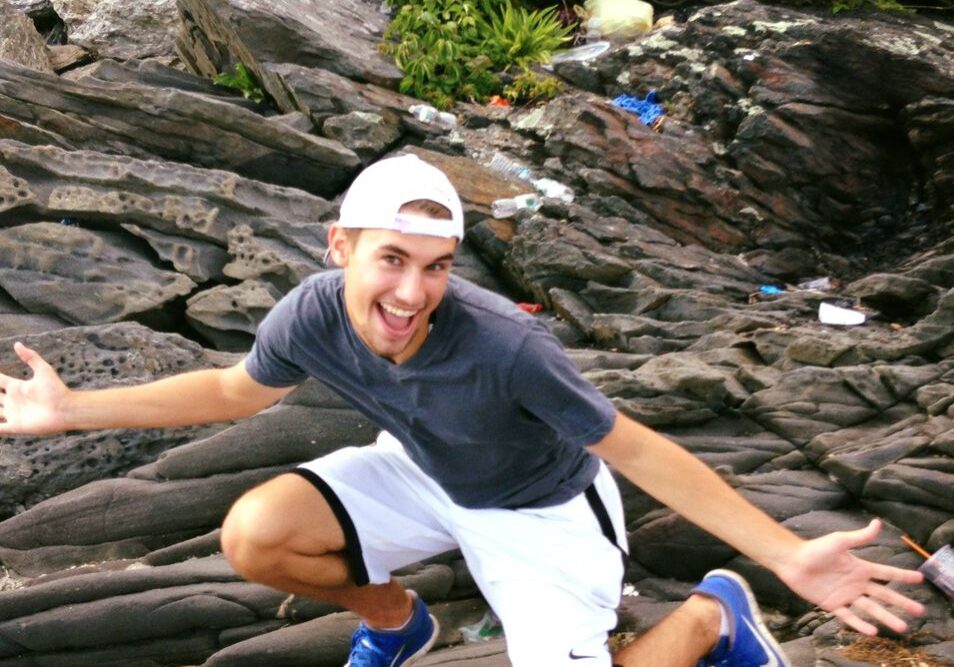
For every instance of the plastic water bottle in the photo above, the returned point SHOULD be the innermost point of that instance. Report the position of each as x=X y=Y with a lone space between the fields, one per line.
x=505 y=165
x=554 y=189
x=428 y=114
x=504 y=208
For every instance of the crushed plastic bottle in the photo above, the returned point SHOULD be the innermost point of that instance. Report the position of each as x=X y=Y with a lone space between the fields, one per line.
x=504 y=208
x=820 y=284
x=486 y=628
x=428 y=114
x=503 y=164
x=554 y=189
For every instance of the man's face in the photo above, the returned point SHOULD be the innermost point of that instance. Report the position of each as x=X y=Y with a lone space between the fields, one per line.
x=392 y=283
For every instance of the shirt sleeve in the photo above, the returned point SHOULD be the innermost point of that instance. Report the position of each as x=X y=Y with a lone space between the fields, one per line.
x=271 y=359
x=549 y=385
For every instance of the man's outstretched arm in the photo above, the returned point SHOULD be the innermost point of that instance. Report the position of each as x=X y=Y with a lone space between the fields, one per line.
x=822 y=570
x=43 y=404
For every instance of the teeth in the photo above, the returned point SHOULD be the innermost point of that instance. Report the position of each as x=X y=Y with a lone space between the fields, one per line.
x=397 y=311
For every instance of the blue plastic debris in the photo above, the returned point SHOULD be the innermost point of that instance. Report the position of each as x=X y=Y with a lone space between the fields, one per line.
x=70 y=222
x=770 y=289
x=649 y=110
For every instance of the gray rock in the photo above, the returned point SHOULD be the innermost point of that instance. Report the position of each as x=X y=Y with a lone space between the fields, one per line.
x=229 y=315
x=120 y=518
x=339 y=36
x=895 y=295
x=81 y=276
x=118 y=29
x=199 y=260
x=37 y=468
x=166 y=197
x=285 y=434
x=191 y=124
x=19 y=40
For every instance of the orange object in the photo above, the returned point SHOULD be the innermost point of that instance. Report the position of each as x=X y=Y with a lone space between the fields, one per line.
x=498 y=101
x=530 y=307
x=914 y=545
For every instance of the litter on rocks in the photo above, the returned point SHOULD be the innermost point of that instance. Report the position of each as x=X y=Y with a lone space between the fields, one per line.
x=649 y=110
x=831 y=314
x=819 y=284
x=428 y=114
x=937 y=568
x=530 y=307
x=486 y=628
x=581 y=53
x=770 y=289
x=510 y=167
x=625 y=19
x=504 y=208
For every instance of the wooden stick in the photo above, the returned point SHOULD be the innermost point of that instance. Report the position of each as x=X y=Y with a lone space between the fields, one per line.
x=914 y=545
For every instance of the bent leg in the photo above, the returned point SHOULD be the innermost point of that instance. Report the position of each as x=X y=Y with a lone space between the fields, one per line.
x=284 y=534
x=679 y=640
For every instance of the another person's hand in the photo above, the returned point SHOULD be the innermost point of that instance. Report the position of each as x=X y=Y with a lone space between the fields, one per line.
x=826 y=573
x=35 y=406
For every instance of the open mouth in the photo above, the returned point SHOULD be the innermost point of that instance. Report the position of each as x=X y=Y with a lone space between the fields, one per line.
x=398 y=322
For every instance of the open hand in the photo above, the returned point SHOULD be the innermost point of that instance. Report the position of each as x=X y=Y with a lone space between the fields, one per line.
x=826 y=573
x=35 y=406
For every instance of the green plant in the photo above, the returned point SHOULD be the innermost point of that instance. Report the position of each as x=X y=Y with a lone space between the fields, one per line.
x=516 y=36
x=880 y=5
x=528 y=86
x=457 y=49
x=242 y=81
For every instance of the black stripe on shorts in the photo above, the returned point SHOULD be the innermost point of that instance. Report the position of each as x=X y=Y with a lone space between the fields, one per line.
x=353 y=553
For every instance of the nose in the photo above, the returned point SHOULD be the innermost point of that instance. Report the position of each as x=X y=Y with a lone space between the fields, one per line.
x=410 y=290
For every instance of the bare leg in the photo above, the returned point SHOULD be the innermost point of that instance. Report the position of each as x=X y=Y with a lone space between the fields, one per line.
x=284 y=534
x=679 y=640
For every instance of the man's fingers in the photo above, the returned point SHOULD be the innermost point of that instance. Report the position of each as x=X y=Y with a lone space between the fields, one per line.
x=852 y=620
x=890 y=573
x=875 y=611
x=895 y=599
x=862 y=536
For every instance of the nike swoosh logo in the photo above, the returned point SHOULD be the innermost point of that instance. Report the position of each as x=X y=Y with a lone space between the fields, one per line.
x=398 y=656
x=574 y=656
x=769 y=652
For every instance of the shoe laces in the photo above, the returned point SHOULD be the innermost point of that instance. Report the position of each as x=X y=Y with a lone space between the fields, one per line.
x=365 y=652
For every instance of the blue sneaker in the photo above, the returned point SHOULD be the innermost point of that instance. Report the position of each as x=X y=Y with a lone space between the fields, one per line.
x=382 y=648
x=749 y=643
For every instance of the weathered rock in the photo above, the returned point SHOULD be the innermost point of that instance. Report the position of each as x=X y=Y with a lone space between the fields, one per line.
x=84 y=277
x=340 y=36
x=163 y=196
x=229 y=315
x=190 y=129
x=36 y=468
x=199 y=260
x=118 y=29
x=19 y=40
x=119 y=518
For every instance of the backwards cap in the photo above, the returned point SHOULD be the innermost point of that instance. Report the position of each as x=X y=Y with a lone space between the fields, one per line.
x=378 y=193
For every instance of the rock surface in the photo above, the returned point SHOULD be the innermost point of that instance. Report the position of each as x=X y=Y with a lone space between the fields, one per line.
x=151 y=207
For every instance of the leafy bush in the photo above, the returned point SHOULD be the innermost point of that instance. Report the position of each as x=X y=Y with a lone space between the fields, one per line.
x=449 y=50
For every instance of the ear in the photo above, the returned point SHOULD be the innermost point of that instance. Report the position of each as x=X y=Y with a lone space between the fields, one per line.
x=339 y=245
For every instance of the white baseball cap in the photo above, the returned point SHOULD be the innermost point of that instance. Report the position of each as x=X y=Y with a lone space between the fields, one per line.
x=378 y=193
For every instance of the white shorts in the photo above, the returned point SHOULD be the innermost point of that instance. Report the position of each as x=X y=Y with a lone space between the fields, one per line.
x=552 y=575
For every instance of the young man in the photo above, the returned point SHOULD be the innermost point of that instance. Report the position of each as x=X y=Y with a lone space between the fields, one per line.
x=492 y=443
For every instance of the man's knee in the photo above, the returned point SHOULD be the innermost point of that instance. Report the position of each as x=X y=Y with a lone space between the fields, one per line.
x=283 y=516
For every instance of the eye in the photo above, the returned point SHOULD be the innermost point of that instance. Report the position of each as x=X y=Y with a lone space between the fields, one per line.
x=391 y=260
x=437 y=267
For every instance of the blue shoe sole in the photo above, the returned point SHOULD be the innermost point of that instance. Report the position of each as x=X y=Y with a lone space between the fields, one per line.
x=764 y=632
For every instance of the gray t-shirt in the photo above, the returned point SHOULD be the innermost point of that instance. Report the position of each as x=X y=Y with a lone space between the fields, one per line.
x=489 y=406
